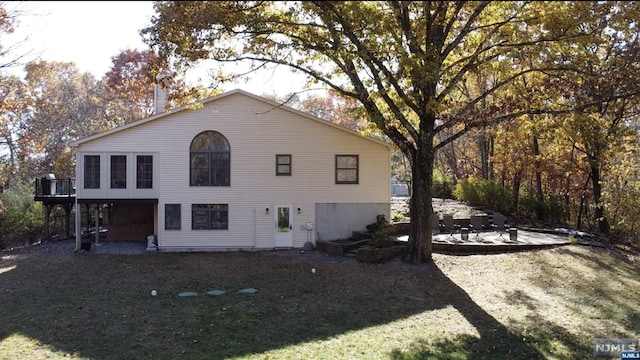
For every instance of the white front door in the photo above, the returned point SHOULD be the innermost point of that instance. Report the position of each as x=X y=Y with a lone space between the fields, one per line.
x=284 y=228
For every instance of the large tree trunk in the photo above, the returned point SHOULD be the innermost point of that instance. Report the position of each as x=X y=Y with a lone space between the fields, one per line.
x=540 y=194
x=517 y=181
x=601 y=220
x=449 y=155
x=11 y=171
x=419 y=248
x=485 y=145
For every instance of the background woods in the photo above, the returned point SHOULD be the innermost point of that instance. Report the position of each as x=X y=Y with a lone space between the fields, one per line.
x=528 y=108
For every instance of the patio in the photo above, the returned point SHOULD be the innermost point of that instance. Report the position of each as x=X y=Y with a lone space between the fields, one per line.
x=495 y=241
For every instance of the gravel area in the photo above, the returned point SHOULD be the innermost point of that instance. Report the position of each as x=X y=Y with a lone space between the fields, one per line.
x=67 y=248
x=53 y=248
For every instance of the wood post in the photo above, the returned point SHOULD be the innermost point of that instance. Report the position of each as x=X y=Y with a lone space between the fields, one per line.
x=47 y=212
x=97 y=222
x=67 y=211
x=78 y=226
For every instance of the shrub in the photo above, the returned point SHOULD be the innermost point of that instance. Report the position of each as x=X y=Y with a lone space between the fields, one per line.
x=380 y=224
x=442 y=186
x=381 y=240
x=487 y=193
x=397 y=217
x=552 y=208
x=22 y=221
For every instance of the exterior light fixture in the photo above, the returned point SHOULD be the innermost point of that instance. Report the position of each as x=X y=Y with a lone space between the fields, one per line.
x=299 y=210
x=266 y=211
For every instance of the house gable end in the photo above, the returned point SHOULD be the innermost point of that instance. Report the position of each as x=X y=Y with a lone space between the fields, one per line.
x=273 y=106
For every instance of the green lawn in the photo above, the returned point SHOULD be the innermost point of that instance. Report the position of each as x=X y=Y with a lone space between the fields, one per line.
x=542 y=304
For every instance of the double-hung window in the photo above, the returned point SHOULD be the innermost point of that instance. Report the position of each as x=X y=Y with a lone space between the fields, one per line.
x=283 y=165
x=347 y=169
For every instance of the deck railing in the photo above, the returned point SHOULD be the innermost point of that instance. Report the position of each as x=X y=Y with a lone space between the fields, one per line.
x=48 y=188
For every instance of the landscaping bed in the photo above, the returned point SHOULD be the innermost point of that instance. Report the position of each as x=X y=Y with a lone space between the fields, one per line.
x=361 y=245
x=340 y=247
x=373 y=255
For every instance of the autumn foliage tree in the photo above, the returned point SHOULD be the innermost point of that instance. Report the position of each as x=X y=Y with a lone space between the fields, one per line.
x=66 y=105
x=602 y=83
x=130 y=86
x=14 y=103
x=405 y=62
x=7 y=22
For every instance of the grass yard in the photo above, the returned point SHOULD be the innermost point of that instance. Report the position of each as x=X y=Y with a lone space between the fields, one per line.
x=547 y=304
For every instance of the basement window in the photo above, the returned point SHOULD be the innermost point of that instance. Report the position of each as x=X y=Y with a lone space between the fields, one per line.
x=209 y=217
x=172 y=216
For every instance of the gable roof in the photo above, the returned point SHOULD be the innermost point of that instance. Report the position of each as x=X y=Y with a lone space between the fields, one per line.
x=78 y=142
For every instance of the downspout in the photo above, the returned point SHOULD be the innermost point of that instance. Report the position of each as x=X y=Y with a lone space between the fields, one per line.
x=254 y=228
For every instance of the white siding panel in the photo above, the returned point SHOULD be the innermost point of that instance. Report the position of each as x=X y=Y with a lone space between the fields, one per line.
x=256 y=132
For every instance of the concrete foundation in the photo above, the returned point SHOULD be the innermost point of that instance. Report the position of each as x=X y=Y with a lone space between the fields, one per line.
x=337 y=221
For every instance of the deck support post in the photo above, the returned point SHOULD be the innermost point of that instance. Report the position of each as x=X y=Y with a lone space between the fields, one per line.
x=47 y=213
x=78 y=226
x=97 y=214
x=67 y=211
x=52 y=192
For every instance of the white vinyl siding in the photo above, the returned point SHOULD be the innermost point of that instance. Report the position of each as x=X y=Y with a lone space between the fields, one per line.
x=256 y=131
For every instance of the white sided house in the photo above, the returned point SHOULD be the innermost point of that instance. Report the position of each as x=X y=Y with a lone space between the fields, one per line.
x=241 y=172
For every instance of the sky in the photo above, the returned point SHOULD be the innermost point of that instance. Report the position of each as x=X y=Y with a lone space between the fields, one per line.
x=90 y=33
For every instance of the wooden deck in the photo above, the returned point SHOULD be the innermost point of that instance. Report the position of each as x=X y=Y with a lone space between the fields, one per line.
x=52 y=193
x=55 y=191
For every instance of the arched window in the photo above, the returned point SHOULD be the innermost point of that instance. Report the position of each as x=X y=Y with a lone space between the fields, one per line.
x=210 y=160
